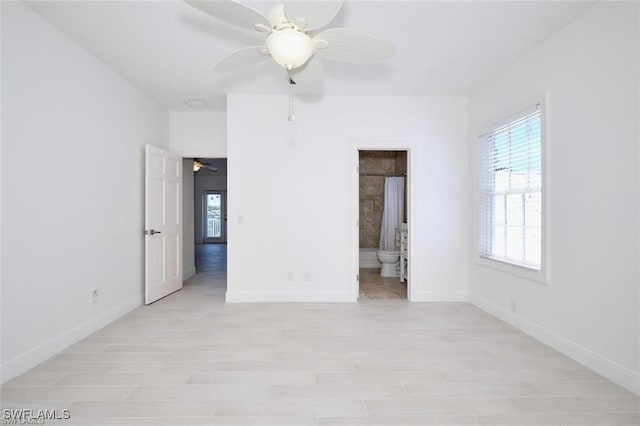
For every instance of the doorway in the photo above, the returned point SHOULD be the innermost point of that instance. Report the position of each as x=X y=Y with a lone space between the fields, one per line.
x=383 y=215
x=205 y=255
x=210 y=197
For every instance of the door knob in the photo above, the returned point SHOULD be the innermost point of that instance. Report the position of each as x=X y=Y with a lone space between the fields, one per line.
x=152 y=232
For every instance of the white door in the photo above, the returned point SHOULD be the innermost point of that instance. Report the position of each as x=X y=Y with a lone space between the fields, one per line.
x=163 y=223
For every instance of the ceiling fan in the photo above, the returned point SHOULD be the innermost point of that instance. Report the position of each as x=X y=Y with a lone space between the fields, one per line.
x=199 y=163
x=293 y=39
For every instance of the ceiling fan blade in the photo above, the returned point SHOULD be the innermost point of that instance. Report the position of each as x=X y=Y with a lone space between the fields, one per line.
x=203 y=164
x=312 y=15
x=347 y=45
x=242 y=58
x=234 y=13
x=309 y=78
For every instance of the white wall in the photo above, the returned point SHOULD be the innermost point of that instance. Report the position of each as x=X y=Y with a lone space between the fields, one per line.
x=589 y=308
x=198 y=134
x=73 y=136
x=638 y=122
x=291 y=187
x=205 y=181
x=188 y=252
x=1 y=198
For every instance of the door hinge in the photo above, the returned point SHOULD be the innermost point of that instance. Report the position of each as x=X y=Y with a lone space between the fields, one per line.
x=357 y=224
x=358 y=277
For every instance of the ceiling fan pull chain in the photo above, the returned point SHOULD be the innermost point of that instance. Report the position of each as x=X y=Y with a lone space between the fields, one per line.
x=291 y=116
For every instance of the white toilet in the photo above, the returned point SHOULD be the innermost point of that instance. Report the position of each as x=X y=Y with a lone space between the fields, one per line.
x=389 y=260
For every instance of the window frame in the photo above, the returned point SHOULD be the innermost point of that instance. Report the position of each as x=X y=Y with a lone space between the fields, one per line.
x=500 y=264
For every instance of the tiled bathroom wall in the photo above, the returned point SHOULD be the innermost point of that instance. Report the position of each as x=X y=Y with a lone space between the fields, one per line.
x=374 y=165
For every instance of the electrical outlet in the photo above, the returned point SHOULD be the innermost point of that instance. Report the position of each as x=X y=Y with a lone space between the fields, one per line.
x=306 y=276
x=94 y=297
x=290 y=276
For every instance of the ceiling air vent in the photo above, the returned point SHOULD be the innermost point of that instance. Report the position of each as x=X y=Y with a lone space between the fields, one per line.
x=196 y=103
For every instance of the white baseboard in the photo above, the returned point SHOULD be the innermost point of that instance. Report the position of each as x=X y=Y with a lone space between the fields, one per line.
x=188 y=273
x=435 y=296
x=288 y=296
x=612 y=370
x=329 y=297
x=31 y=358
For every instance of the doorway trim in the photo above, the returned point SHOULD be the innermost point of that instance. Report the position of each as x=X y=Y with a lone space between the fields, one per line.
x=379 y=145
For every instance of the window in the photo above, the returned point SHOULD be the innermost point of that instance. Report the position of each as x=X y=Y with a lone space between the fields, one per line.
x=511 y=191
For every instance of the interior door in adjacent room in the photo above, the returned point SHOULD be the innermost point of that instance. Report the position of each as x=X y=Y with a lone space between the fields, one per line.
x=163 y=223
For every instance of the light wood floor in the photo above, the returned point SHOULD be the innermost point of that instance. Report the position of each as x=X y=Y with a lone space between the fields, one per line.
x=190 y=359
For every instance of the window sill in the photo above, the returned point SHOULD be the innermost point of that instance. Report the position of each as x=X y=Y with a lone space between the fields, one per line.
x=513 y=269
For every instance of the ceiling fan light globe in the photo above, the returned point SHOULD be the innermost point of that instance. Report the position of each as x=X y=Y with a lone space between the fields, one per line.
x=290 y=48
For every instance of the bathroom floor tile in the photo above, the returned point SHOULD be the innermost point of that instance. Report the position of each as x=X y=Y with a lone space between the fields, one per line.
x=374 y=286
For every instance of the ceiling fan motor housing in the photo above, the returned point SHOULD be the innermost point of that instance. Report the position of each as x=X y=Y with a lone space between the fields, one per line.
x=277 y=18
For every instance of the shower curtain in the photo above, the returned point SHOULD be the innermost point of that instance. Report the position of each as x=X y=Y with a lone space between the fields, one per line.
x=392 y=212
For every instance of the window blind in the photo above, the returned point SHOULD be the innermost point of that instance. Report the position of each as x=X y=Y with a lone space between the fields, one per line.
x=511 y=191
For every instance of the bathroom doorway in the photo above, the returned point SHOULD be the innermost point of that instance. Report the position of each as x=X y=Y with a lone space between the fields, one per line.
x=383 y=224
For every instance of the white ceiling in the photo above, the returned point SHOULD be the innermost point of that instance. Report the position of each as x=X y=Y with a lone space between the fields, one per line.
x=169 y=49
